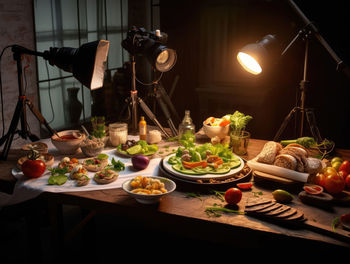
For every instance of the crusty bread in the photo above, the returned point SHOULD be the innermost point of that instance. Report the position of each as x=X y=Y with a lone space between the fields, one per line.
x=285 y=161
x=314 y=165
x=299 y=154
x=269 y=152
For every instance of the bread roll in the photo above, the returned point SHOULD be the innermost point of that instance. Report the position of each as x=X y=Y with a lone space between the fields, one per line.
x=269 y=152
x=314 y=165
x=286 y=161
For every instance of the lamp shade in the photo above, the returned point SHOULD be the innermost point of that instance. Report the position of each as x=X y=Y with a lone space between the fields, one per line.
x=86 y=63
x=256 y=57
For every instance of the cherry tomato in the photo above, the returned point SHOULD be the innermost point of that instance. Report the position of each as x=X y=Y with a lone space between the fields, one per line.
x=343 y=173
x=334 y=183
x=347 y=181
x=33 y=168
x=345 y=166
x=245 y=185
x=313 y=189
x=233 y=195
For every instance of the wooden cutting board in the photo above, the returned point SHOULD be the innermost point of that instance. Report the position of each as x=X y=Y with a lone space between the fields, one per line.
x=276 y=181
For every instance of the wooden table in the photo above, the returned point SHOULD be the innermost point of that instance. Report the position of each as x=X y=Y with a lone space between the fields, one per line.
x=178 y=210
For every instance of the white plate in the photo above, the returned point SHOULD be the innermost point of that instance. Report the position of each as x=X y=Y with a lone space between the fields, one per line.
x=168 y=167
x=170 y=186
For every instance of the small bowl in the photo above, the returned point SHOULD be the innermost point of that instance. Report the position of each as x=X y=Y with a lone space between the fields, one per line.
x=68 y=146
x=216 y=131
x=92 y=147
x=170 y=186
x=41 y=147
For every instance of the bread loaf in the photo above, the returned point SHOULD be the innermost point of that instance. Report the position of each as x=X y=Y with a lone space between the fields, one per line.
x=285 y=161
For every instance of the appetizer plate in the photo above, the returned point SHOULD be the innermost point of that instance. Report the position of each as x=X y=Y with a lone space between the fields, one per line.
x=168 y=167
x=170 y=186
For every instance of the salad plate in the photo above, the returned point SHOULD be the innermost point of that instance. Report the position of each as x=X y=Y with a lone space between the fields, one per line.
x=194 y=176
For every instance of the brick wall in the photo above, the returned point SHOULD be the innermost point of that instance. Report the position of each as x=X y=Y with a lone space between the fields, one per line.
x=17 y=27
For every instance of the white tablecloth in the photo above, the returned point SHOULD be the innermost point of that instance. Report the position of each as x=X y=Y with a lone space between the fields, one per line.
x=26 y=189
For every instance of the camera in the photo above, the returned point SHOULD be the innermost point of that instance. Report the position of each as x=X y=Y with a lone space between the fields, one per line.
x=152 y=45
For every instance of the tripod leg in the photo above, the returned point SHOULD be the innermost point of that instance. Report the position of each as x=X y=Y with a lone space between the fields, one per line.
x=167 y=100
x=310 y=117
x=39 y=116
x=7 y=139
x=149 y=113
x=166 y=113
x=285 y=123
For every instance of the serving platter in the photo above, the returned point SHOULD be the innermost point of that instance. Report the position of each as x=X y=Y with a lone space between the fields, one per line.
x=168 y=167
x=198 y=184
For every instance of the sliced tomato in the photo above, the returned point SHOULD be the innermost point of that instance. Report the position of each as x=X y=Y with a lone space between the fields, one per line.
x=245 y=185
x=313 y=189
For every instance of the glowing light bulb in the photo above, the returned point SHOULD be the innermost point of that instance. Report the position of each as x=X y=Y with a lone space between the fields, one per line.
x=249 y=63
x=163 y=57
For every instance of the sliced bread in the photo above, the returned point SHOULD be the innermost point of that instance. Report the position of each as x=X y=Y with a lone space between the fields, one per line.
x=285 y=161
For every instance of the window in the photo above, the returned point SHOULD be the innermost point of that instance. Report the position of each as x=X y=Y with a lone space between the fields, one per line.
x=71 y=23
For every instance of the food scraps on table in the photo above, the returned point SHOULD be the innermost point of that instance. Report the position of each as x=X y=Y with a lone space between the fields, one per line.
x=147 y=185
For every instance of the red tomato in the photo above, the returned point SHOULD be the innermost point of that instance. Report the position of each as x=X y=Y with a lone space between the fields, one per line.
x=233 y=195
x=320 y=179
x=313 y=189
x=334 y=183
x=347 y=181
x=343 y=173
x=245 y=185
x=33 y=168
x=345 y=166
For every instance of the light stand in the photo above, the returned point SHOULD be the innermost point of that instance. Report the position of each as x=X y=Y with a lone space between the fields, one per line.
x=308 y=31
x=87 y=63
x=134 y=100
x=20 y=114
x=151 y=45
x=303 y=86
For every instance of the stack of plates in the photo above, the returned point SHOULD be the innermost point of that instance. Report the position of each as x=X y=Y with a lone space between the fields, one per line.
x=206 y=179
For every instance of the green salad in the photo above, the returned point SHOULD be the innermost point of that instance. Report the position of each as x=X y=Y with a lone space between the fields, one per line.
x=204 y=159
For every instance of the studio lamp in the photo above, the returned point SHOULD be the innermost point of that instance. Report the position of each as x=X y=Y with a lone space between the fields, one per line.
x=151 y=45
x=256 y=57
x=86 y=63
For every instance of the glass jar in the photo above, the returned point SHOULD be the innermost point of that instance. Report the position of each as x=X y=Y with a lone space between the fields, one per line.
x=187 y=128
x=118 y=133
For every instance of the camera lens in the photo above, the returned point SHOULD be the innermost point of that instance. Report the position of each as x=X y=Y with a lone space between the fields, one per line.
x=163 y=57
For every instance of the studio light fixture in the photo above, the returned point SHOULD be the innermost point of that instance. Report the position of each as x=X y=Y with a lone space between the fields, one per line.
x=257 y=57
x=86 y=63
x=151 y=45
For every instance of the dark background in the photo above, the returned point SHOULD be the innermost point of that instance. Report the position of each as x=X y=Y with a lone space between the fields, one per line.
x=207 y=35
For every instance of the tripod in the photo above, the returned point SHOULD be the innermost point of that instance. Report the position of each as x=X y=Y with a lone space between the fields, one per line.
x=303 y=86
x=20 y=114
x=162 y=98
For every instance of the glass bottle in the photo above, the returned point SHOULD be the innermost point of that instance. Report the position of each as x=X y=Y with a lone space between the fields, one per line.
x=187 y=128
x=143 y=128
